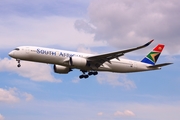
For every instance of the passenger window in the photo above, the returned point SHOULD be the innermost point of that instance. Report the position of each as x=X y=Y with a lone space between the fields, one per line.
x=16 y=49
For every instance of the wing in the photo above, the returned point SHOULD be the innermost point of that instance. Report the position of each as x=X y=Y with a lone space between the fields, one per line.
x=98 y=60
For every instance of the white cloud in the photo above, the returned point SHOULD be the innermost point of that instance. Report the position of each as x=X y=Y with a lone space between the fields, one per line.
x=2 y=117
x=85 y=50
x=100 y=113
x=128 y=23
x=125 y=113
x=76 y=80
x=8 y=96
x=34 y=71
x=13 y=95
x=28 y=97
x=44 y=31
x=115 y=79
x=100 y=110
x=41 y=8
x=82 y=25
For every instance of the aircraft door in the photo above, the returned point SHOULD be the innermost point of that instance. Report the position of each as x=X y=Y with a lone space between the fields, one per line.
x=27 y=50
x=134 y=65
x=131 y=64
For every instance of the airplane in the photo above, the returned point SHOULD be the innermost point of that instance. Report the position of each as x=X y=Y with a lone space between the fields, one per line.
x=65 y=61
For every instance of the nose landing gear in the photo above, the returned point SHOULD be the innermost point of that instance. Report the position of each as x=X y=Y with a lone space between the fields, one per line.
x=19 y=64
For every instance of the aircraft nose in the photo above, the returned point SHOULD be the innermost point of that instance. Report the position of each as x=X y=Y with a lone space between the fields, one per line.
x=11 y=54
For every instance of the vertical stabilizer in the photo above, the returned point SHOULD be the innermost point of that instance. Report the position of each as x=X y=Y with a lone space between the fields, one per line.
x=153 y=56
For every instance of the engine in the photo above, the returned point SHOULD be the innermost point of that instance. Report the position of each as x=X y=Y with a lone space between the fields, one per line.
x=78 y=62
x=61 y=69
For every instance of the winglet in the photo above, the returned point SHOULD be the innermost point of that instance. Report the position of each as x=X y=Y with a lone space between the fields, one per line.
x=149 y=42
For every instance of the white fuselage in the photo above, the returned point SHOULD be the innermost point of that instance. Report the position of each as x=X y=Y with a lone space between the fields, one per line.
x=60 y=57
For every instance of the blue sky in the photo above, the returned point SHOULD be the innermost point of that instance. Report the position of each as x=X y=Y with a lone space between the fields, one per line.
x=34 y=91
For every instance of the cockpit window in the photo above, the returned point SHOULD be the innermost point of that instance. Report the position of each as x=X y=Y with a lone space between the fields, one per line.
x=16 y=49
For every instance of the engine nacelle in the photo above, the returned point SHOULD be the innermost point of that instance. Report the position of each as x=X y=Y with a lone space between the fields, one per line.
x=78 y=62
x=61 y=69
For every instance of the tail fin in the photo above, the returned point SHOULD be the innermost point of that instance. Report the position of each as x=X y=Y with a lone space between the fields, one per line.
x=153 y=56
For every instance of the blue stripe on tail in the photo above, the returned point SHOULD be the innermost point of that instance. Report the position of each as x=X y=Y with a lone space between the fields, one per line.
x=146 y=60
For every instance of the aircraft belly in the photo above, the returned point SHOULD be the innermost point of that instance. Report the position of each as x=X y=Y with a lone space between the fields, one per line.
x=122 y=67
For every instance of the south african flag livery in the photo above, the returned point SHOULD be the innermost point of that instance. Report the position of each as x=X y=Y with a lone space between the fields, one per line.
x=153 y=56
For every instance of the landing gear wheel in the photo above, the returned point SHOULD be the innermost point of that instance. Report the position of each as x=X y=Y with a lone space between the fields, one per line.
x=18 y=60
x=19 y=65
x=86 y=76
x=95 y=73
x=90 y=73
x=83 y=76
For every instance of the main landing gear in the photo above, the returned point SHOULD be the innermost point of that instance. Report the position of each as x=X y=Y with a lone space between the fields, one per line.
x=19 y=64
x=84 y=75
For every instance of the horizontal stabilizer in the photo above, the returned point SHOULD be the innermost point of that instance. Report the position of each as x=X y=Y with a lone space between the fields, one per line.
x=159 y=65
